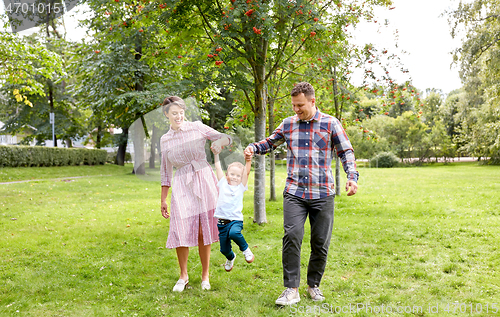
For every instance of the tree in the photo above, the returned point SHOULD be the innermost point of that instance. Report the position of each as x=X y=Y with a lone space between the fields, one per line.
x=42 y=87
x=479 y=60
x=22 y=62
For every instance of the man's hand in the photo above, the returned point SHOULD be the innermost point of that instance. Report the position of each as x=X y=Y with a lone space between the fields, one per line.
x=164 y=210
x=248 y=153
x=353 y=188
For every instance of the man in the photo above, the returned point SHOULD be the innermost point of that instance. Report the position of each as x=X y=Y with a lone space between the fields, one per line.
x=311 y=137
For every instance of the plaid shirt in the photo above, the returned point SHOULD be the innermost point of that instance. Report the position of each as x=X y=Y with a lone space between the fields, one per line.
x=310 y=147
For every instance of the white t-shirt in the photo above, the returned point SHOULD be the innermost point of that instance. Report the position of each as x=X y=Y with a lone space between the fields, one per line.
x=230 y=202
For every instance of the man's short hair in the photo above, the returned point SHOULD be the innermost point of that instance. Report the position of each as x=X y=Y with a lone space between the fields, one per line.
x=238 y=165
x=305 y=88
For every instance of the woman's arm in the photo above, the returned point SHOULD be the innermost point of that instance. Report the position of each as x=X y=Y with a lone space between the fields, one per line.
x=164 y=205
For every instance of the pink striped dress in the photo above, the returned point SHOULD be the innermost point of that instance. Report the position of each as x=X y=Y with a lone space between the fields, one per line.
x=194 y=186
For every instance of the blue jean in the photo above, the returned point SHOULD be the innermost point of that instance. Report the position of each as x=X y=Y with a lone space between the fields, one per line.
x=228 y=232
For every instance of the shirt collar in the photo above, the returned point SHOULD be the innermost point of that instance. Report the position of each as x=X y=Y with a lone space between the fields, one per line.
x=315 y=117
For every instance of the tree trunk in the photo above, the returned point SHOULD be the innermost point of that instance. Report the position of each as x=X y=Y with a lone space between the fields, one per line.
x=122 y=147
x=260 y=160
x=338 y=115
x=272 y=168
x=337 y=175
x=138 y=137
x=69 y=143
x=153 y=152
x=98 y=138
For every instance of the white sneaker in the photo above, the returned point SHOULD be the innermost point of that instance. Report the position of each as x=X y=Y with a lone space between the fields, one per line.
x=289 y=297
x=249 y=257
x=315 y=294
x=180 y=285
x=229 y=264
x=205 y=285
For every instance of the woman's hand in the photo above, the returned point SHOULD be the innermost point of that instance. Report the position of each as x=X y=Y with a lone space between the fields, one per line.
x=164 y=210
x=216 y=147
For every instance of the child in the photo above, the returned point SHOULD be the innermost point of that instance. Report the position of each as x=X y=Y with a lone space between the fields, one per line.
x=229 y=207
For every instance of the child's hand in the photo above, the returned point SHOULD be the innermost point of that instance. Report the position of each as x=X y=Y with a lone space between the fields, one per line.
x=216 y=147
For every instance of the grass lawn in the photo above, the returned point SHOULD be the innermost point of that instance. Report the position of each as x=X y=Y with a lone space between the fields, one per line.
x=95 y=246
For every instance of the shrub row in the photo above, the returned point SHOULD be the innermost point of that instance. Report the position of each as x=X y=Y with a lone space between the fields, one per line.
x=15 y=156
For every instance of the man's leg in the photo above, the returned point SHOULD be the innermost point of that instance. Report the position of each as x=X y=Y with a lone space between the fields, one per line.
x=321 y=213
x=294 y=217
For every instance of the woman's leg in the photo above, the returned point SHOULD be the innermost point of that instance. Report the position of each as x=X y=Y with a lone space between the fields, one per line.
x=204 y=251
x=182 y=257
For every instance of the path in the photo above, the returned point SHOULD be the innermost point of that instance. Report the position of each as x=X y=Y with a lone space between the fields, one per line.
x=50 y=179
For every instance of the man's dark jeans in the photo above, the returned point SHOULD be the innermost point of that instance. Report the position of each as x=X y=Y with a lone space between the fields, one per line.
x=295 y=212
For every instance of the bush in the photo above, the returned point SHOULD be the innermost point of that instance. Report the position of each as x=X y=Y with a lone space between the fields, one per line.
x=111 y=157
x=15 y=156
x=384 y=159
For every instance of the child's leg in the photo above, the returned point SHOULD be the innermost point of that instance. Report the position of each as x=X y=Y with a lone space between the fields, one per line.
x=225 y=241
x=236 y=236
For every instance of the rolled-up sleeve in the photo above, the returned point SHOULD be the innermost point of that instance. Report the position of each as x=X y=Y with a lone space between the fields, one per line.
x=271 y=142
x=345 y=151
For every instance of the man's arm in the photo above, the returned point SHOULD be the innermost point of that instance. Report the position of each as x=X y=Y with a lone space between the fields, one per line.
x=218 y=167
x=248 y=167
x=266 y=145
x=346 y=155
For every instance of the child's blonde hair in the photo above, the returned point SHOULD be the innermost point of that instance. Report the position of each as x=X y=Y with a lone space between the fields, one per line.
x=237 y=164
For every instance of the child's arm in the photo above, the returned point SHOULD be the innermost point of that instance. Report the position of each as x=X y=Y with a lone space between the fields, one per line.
x=248 y=167
x=218 y=167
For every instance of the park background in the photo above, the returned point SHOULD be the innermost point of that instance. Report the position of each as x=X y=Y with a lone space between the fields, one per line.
x=89 y=239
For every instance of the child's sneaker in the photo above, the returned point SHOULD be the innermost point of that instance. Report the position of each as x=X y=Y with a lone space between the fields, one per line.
x=249 y=257
x=229 y=264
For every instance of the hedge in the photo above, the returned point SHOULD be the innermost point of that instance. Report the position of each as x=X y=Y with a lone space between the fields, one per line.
x=15 y=156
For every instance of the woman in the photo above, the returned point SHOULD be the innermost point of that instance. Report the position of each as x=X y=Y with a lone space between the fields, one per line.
x=194 y=190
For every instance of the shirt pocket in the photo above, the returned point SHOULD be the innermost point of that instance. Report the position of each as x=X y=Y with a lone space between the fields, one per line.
x=321 y=140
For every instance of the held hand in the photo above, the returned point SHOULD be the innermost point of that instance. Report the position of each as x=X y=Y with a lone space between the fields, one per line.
x=164 y=210
x=248 y=153
x=353 y=188
x=216 y=147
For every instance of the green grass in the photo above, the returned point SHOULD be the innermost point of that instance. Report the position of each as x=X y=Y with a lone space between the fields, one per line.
x=95 y=246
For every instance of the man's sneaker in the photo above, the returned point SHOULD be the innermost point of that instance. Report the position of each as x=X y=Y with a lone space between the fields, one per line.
x=229 y=264
x=180 y=285
x=315 y=294
x=289 y=297
x=249 y=257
